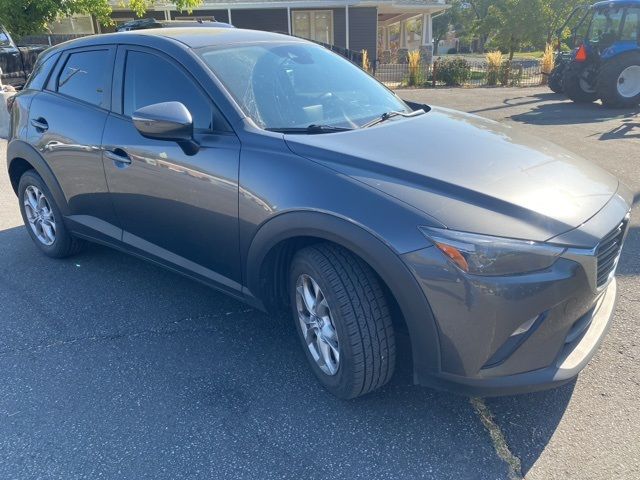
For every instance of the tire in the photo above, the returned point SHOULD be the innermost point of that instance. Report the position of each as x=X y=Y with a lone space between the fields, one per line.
x=619 y=81
x=555 y=79
x=58 y=244
x=573 y=85
x=356 y=308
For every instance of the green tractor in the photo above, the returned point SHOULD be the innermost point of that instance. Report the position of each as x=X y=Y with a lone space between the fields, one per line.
x=605 y=61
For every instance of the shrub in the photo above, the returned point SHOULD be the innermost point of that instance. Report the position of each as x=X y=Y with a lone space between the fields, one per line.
x=453 y=71
x=494 y=64
x=452 y=51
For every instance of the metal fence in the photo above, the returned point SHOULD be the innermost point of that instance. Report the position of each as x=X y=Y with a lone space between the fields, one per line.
x=51 y=39
x=466 y=73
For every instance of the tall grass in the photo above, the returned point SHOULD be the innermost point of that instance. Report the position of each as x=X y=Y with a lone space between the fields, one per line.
x=494 y=65
x=366 y=63
x=547 y=62
x=415 y=75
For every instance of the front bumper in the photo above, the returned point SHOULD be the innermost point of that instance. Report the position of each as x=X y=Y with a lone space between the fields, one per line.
x=573 y=357
x=511 y=334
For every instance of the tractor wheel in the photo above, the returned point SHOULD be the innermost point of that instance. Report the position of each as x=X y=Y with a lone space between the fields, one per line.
x=555 y=79
x=576 y=85
x=619 y=81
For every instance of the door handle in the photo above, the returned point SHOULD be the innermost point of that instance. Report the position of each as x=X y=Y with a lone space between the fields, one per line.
x=40 y=124
x=118 y=155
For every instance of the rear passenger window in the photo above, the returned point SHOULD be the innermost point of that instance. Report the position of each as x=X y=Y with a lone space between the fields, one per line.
x=150 y=79
x=84 y=76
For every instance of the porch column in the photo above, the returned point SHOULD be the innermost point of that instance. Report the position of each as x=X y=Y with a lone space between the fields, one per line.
x=346 y=19
x=403 y=34
x=427 y=29
x=427 y=48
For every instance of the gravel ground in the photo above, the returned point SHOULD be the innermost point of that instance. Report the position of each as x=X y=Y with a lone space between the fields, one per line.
x=113 y=368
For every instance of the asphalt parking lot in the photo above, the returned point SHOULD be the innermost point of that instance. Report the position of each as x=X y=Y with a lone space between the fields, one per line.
x=113 y=368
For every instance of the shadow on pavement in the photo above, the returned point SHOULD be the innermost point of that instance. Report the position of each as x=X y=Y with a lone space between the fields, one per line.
x=628 y=129
x=521 y=101
x=133 y=371
x=563 y=113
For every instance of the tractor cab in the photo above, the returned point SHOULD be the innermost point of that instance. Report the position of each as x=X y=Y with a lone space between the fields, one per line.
x=605 y=60
x=610 y=28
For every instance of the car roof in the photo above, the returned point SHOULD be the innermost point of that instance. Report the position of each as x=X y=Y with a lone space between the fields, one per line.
x=617 y=3
x=192 y=37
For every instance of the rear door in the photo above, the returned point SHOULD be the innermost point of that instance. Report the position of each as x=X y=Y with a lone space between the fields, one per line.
x=66 y=121
x=177 y=208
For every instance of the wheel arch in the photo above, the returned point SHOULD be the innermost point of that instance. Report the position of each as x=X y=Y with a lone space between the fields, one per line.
x=22 y=157
x=273 y=246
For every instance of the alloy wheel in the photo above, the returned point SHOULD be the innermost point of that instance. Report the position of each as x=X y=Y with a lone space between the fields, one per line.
x=39 y=215
x=317 y=324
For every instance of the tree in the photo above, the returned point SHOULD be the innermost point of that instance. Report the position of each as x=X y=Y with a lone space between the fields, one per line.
x=139 y=7
x=442 y=21
x=556 y=12
x=24 y=17
x=479 y=10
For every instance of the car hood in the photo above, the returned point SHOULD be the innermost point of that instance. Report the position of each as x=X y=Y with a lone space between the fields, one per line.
x=468 y=173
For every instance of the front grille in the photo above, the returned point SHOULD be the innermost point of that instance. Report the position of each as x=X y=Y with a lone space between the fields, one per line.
x=608 y=252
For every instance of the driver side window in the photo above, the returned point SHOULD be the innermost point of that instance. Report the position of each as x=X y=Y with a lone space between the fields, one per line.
x=150 y=79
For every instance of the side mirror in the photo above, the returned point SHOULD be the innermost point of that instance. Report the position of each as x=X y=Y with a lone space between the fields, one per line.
x=169 y=121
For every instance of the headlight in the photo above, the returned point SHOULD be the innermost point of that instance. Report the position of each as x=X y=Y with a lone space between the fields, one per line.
x=485 y=255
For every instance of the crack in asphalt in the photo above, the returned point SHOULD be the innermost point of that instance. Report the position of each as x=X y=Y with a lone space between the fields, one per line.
x=497 y=438
x=115 y=336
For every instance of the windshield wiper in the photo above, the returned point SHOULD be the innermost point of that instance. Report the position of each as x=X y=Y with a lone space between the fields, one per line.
x=313 y=129
x=387 y=115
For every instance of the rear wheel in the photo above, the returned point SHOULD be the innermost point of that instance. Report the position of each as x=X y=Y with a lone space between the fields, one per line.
x=577 y=86
x=43 y=218
x=619 y=81
x=343 y=320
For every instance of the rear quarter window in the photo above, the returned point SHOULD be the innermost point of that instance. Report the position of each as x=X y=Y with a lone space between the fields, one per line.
x=41 y=72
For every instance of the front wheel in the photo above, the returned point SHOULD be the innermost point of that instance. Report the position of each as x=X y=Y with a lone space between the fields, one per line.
x=555 y=79
x=619 y=81
x=343 y=320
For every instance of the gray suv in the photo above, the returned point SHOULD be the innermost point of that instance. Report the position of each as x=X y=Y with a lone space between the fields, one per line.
x=273 y=170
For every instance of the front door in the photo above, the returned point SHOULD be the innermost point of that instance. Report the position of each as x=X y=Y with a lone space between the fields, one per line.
x=179 y=209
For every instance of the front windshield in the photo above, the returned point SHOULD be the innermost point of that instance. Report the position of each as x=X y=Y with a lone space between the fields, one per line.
x=4 y=39
x=605 y=26
x=294 y=85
